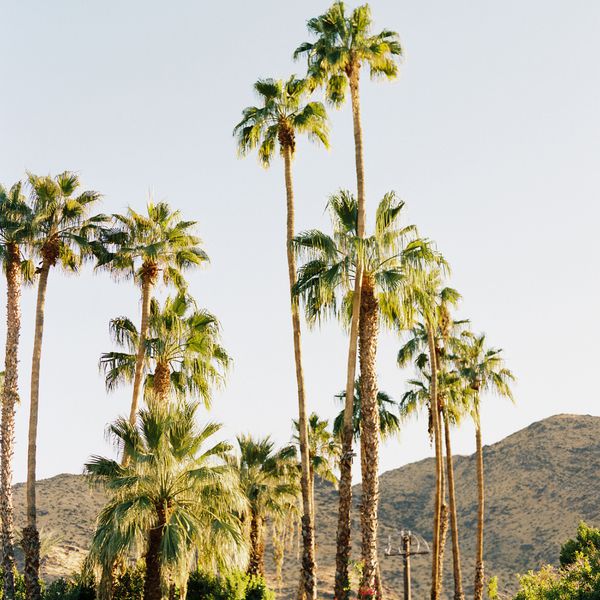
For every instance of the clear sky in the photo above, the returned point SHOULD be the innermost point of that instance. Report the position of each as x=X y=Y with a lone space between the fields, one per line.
x=491 y=135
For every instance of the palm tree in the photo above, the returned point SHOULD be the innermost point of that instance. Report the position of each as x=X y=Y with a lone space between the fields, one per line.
x=268 y=481
x=391 y=257
x=483 y=370
x=60 y=236
x=389 y=422
x=426 y=343
x=183 y=354
x=176 y=496
x=324 y=449
x=142 y=247
x=284 y=113
x=15 y=232
x=343 y=45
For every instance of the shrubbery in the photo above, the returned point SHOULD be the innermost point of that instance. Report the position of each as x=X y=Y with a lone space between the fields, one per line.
x=236 y=586
x=130 y=584
x=578 y=578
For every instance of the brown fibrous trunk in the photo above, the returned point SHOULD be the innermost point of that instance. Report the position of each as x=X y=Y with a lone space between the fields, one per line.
x=10 y=398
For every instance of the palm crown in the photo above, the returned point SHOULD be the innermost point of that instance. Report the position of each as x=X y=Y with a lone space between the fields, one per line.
x=174 y=480
x=283 y=113
x=183 y=353
x=389 y=423
x=482 y=367
x=344 y=43
x=390 y=258
x=324 y=448
x=267 y=476
x=61 y=231
x=139 y=245
x=15 y=227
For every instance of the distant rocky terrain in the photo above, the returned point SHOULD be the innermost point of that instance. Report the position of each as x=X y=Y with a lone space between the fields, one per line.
x=541 y=481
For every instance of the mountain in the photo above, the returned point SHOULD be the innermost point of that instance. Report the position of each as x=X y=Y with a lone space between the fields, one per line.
x=540 y=482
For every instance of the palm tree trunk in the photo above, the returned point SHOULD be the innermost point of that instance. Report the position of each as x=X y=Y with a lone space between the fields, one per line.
x=343 y=540
x=443 y=539
x=162 y=384
x=10 y=398
x=308 y=571
x=31 y=538
x=435 y=574
x=148 y=277
x=256 y=563
x=479 y=566
x=458 y=589
x=369 y=430
x=153 y=579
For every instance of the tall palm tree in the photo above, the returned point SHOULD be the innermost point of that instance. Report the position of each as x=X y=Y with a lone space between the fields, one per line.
x=142 y=246
x=390 y=257
x=426 y=343
x=15 y=232
x=269 y=483
x=183 y=353
x=283 y=113
x=61 y=235
x=483 y=370
x=175 y=497
x=343 y=45
x=389 y=421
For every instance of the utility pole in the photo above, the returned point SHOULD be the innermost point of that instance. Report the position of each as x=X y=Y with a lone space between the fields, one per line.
x=406 y=548
x=408 y=538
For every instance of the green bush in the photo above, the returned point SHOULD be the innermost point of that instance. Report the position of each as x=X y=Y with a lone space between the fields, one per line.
x=130 y=584
x=19 y=585
x=579 y=575
x=63 y=589
x=235 y=586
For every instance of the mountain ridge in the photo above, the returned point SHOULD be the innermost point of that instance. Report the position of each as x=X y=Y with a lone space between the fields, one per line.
x=540 y=482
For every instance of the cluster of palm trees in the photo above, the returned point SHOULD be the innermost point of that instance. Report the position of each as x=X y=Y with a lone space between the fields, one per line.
x=392 y=278
x=176 y=497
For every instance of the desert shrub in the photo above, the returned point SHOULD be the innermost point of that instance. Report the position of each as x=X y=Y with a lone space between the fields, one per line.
x=578 y=578
x=585 y=543
x=234 y=586
x=129 y=585
x=64 y=589
x=19 y=585
x=256 y=589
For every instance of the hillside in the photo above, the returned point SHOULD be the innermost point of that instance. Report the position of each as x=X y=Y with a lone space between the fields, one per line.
x=540 y=482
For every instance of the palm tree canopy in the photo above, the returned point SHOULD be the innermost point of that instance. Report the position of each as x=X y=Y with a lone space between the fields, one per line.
x=391 y=257
x=267 y=476
x=145 y=244
x=324 y=448
x=343 y=44
x=389 y=422
x=282 y=113
x=15 y=227
x=62 y=232
x=182 y=338
x=174 y=466
x=482 y=368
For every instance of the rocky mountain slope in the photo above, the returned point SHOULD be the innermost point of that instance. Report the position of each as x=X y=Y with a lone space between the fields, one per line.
x=541 y=481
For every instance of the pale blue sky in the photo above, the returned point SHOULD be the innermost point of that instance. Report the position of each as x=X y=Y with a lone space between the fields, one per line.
x=491 y=135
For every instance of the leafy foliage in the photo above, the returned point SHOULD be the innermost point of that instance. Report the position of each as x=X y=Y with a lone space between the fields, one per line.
x=343 y=44
x=234 y=586
x=578 y=578
x=282 y=114
x=182 y=339
x=173 y=474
